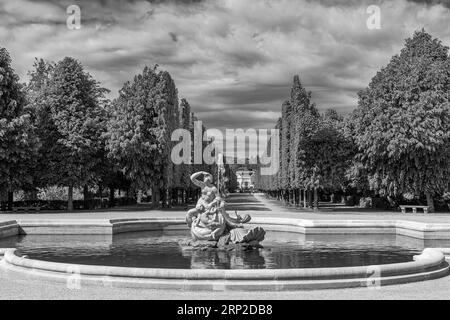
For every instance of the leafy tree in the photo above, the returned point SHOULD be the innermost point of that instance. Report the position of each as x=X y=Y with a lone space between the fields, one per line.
x=276 y=179
x=286 y=121
x=139 y=131
x=17 y=141
x=43 y=168
x=325 y=153
x=402 y=123
x=74 y=100
x=185 y=170
x=304 y=111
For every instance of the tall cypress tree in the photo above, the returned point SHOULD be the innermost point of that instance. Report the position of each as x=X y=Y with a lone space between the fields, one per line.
x=185 y=170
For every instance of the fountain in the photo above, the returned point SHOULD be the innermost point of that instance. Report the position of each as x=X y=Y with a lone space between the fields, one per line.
x=210 y=224
x=223 y=252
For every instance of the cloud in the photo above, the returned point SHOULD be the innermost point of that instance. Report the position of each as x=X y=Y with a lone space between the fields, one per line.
x=233 y=60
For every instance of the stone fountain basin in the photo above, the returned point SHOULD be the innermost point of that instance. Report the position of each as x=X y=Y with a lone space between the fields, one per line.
x=430 y=264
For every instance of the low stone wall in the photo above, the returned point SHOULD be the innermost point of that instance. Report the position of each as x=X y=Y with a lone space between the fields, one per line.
x=65 y=226
x=135 y=225
x=418 y=230
x=8 y=229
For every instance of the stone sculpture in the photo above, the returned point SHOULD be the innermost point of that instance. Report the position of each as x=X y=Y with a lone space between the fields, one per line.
x=211 y=226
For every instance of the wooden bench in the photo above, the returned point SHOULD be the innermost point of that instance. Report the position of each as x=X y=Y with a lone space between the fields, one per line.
x=15 y=209
x=414 y=208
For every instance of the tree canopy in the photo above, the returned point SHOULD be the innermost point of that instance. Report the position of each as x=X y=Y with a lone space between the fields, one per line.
x=18 y=144
x=402 y=123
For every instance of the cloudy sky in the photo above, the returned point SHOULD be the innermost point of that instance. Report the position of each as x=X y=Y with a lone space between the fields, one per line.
x=233 y=60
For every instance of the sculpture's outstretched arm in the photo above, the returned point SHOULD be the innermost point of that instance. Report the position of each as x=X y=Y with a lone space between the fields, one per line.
x=196 y=181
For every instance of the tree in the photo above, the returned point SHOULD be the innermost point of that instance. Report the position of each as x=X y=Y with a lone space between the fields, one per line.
x=74 y=101
x=286 y=121
x=139 y=131
x=184 y=170
x=402 y=123
x=325 y=153
x=304 y=113
x=43 y=168
x=17 y=140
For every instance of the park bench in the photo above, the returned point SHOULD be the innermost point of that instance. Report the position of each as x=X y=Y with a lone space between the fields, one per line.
x=414 y=208
x=26 y=209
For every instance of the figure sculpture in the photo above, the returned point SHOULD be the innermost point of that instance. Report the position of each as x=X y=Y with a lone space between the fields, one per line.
x=209 y=222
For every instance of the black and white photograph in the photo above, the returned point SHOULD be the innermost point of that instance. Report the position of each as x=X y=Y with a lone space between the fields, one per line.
x=242 y=151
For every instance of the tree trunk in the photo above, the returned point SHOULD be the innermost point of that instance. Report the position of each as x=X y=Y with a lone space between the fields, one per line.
x=316 y=199
x=100 y=191
x=392 y=202
x=10 y=200
x=300 y=197
x=139 y=196
x=162 y=194
x=70 y=200
x=86 y=197
x=305 y=205
x=156 y=197
x=430 y=202
x=111 y=197
x=168 y=198
x=3 y=198
x=310 y=198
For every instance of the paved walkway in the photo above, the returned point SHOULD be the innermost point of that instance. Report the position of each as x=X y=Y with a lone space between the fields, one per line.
x=13 y=286
x=255 y=205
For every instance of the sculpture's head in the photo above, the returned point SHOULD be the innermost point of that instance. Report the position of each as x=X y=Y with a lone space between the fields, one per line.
x=208 y=179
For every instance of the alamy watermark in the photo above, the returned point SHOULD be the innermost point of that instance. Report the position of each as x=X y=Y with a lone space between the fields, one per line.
x=374 y=20
x=73 y=20
x=373 y=280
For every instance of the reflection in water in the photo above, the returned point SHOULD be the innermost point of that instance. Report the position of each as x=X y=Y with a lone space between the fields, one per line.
x=161 y=249
x=225 y=259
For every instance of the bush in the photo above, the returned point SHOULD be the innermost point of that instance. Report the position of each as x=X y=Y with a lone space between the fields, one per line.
x=58 y=193
x=352 y=200
x=441 y=205
x=446 y=197
x=380 y=203
x=365 y=202
x=77 y=204
x=43 y=204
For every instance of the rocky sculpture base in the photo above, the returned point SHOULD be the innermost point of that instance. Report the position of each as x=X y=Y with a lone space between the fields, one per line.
x=235 y=239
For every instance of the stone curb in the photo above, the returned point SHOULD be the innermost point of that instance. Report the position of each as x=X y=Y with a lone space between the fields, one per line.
x=428 y=265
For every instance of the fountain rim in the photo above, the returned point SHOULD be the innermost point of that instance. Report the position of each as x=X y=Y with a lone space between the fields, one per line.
x=430 y=264
x=429 y=259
